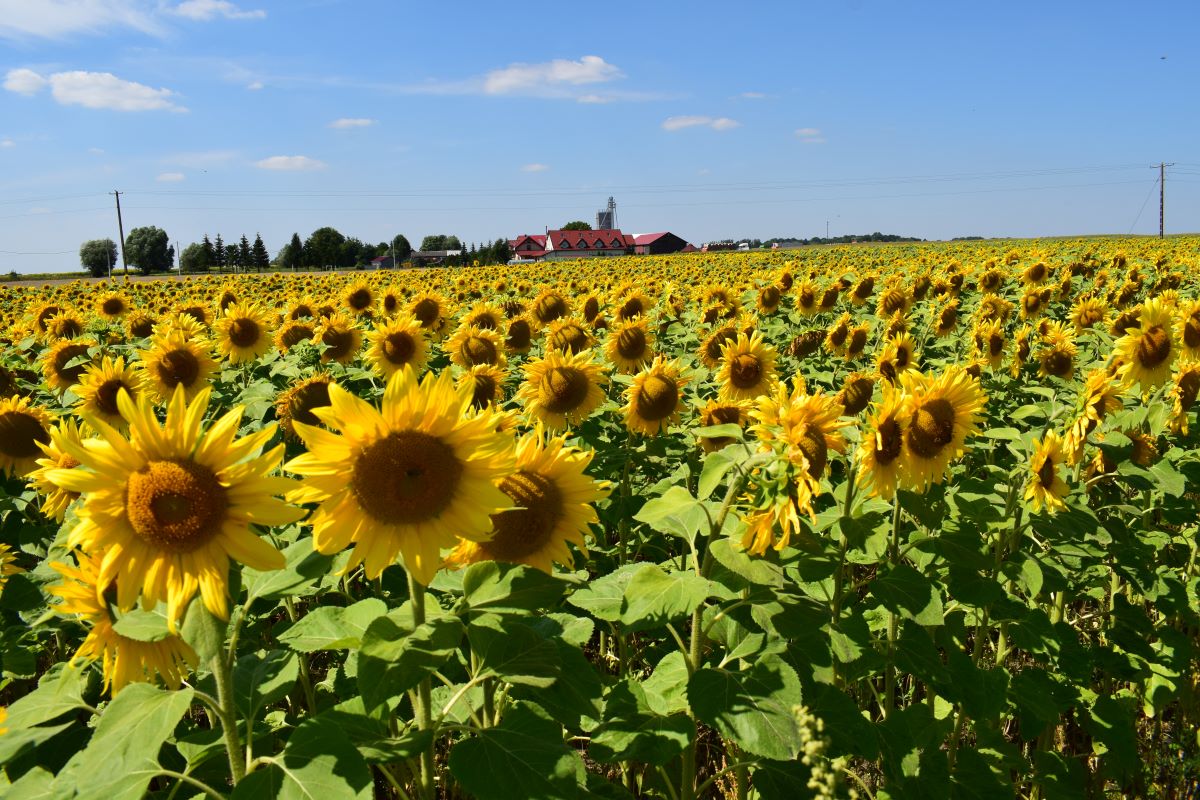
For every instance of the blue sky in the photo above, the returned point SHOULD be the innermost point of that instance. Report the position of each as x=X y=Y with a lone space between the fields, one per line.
x=489 y=120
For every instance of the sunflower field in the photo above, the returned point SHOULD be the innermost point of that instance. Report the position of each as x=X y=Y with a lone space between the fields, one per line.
x=909 y=521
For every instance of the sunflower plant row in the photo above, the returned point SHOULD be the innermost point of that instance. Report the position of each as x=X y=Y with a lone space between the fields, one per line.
x=880 y=522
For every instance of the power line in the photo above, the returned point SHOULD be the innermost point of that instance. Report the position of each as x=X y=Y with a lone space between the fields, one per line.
x=1143 y=208
x=1162 y=183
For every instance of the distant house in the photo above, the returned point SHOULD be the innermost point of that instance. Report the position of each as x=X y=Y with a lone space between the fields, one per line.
x=382 y=262
x=714 y=247
x=653 y=244
x=528 y=247
x=559 y=244
x=432 y=258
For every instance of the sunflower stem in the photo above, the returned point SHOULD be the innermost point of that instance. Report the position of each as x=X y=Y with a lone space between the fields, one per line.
x=424 y=708
x=889 y=678
x=223 y=675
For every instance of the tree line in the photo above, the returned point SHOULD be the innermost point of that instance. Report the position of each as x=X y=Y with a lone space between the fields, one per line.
x=148 y=250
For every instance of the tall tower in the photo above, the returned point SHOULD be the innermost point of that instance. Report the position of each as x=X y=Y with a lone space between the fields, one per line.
x=606 y=219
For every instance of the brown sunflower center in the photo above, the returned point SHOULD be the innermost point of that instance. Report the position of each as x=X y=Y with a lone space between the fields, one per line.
x=244 y=332
x=68 y=327
x=486 y=319
x=657 y=398
x=1154 y=347
x=888 y=441
x=175 y=504
x=20 y=434
x=932 y=428
x=359 y=299
x=903 y=355
x=142 y=328
x=808 y=297
x=399 y=347
x=195 y=312
x=569 y=337
x=995 y=344
x=178 y=367
x=390 y=303
x=563 y=389
x=858 y=340
x=947 y=318
x=631 y=343
x=837 y=336
x=812 y=444
x=426 y=310
x=301 y=311
x=1045 y=473
x=295 y=334
x=307 y=397
x=106 y=396
x=69 y=375
x=1191 y=332
x=520 y=532
x=745 y=371
x=1189 y=386
x=550 y=308
x=405 y=478
x=1057 y=362
x=712 y=348
x=478 y=350
x=591 y=308
x=520 y=335
x=769 y=297
x=484 y=392
x=856 y=394
x=339 y=341
x=864 y=288
x=632 y=307
x=892 y=302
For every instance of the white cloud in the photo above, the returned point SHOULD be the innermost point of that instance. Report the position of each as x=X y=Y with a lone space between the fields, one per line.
x=290 y=163
x=346 y=123
x=255 y=86
x=810 y=135
x=534 y=168
x=56 y=19
x=201 y=160
x=170 y=177
x=549 y=77
x=697 y=121
x=594 y=99
x=205 y=10
x=24 y=81
x=754 y=96
x=96 y=151
x=93 y=90
x=7 y=143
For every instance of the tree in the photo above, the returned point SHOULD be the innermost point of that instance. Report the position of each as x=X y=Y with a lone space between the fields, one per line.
x=292 y=255
x=440 y=241
x=219 y=254
x=501 y=252
x=351 y=253
x=210 y=255
x=99 y=256
x=262 y=259
x=149 y=249
x=192 y=259
x=452 y=243
x=323 y=248
x=577 y=225
x=401 y=247
x=245 y=257
x=233 y=257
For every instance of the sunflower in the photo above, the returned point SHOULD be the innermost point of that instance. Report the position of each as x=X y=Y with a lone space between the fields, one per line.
x=768 y=299
x=186 y=324
x=242 y=333
x=174 y=362
x=1148 y=351
x=519 y=333
x=862 y=291
x=296 y=403
x=856 y=341
x=1101 y=396
x=629 y=345
x=1183 y=394
x=397 y=343
x=653 y=400
x=172 y=504
x=1188 y=330
x=358 y=298
x=428 y=308
x=805 y=344
x=714 y=344
x=945 y=319
x=1056 y=356
x=994 y=308
x=807 y=298
x=8 y=564
x=989 y=342
x=548 y=306
x=55 y=456
x=747 y=368
x=632 y=304
x=892 y=301
x=139 y=324
x=552 y=501
x=23 y=427
x=101 y=383
x=829 y=297
x=1023 y=346
x=390 y=300
x=722 y=412
x=64 y=362
x=112 y=305
x=944 y=411
x=760 y=525
x=64 y=325
x=470 y=346
x=124 y=660
x=341 y=336
x=304 y=308
x=881 y=451
x=1045 y=487
x=485 y=382
x=897 y=357
x=562 y=389
x=806 y=426
x=293 y=333
x=1087 y=312
x=568 y=335
x=485 y=315
x=406 y=479
x=855 y=394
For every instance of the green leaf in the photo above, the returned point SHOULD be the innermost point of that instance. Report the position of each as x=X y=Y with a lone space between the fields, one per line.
x=675 y=512
x=666 y=688
x=122 y=755
x=909 y=593
x=653 y=597
x=512 y=651
x=717 y=464
x=141 y=625
x=494 y=586
x=632 y=731
x=521 y=758
x=59 y=692
x=754 y=708
x=755 y=571
x=394 y=658
x=204 y=632
x=369 y=733
x=333 y=628
x=318 y=763
x=603 y=597
x=263 y=678
x=305 y=567
x=576 y=699
x=37 y=784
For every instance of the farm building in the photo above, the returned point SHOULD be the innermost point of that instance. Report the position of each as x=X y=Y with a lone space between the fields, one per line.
x=584 y=244
x=654 y=244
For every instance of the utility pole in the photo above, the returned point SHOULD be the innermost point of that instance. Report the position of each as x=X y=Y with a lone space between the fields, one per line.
x=1162 y=174
x=121 y=230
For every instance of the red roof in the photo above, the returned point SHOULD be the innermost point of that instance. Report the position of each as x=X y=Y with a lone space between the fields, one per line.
x=647 y=238
x=603 y=239
x=528 y=253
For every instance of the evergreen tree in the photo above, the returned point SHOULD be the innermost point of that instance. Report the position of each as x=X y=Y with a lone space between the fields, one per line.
x=245 y=257
x=262 y=259
x=402 y=248
x=295 y=253
x=208 y=256
x=219 y=254
x=233 y=257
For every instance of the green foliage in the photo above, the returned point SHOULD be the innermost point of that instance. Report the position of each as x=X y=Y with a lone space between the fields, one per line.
x=149 y=250
x=98 y=256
